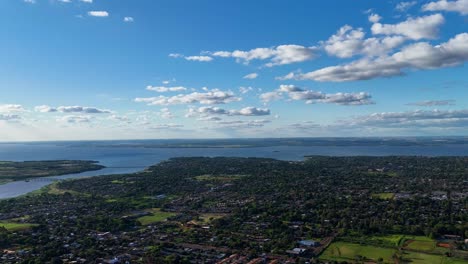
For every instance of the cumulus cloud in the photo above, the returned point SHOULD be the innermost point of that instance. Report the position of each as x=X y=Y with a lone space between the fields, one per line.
x=280 y=55
x=271 y=96
x=128 y=19
x=247 y=111
x=7 y=108
x=251 y=76
x=460 y=6
x=418 y=118
x=310 y=97
x=404 y=6
x=98 y=13
x=30 y=1
x=374 y=18
x=434 y=103
x=426 y=27
x=199 y=58
x=348 y=42
x=163 y=89
x=71 y=109
x=214 y=96
x=421 y=55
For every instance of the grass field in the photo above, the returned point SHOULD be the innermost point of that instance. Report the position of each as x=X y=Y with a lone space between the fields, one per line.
x=12 y=226
x=342 y=251
x=383 y=196
x=420 y=243
x=393 y=240
x=156 y=216
x=421 y=258
x=207 y=218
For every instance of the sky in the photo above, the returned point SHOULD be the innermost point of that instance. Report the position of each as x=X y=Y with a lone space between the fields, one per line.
x=154 y=69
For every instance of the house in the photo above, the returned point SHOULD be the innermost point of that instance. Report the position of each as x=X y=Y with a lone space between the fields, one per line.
x=309 y=243
x=296 y=251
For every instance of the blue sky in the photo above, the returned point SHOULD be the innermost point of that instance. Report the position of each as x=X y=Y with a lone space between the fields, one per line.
x=103 y=69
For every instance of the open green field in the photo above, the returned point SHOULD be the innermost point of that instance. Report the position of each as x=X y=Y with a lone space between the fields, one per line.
x=156 y=216
x=391 y=240
x=12 y=226
x=343 y=251
x=421 y=258
x=420 y=243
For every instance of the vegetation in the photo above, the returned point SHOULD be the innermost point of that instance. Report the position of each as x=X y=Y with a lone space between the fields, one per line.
x=156 y=215
x=15 y=171
x=342 y=251
x=14 y=226
x=252 y=209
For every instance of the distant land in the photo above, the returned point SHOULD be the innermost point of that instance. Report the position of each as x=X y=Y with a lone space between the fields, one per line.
x=15 y=171
x=269 y=142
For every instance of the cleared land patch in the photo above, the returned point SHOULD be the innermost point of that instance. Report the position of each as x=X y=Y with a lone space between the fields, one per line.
x=156 y=216
x=343 y=251
x=12 y=226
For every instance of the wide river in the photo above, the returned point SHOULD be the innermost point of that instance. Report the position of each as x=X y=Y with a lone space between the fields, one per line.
x=131 y=159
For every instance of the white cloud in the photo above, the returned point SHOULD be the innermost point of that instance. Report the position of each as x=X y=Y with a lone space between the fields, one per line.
x=271 y=96
x=251 y=76
x=8 y=108
x=45 y=109
x=418 y=118
x=310 y=97
x=210 y=110
x=199 y=58
x=419 y=55
x=30 y=1
x=163 y=89
x=65 y=1
x=128 y=19
x=404 y=6
x=374 y=18
x=71 y=109
x=87 y=1
x=176 y=55
x=214 y=96
x=348 y=42
x=426 y=27
x=244 y=90
x=460 y=6
x=280 y=55
x=98 y=13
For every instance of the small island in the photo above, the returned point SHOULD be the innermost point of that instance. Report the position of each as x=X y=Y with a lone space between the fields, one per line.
x=25 y=170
